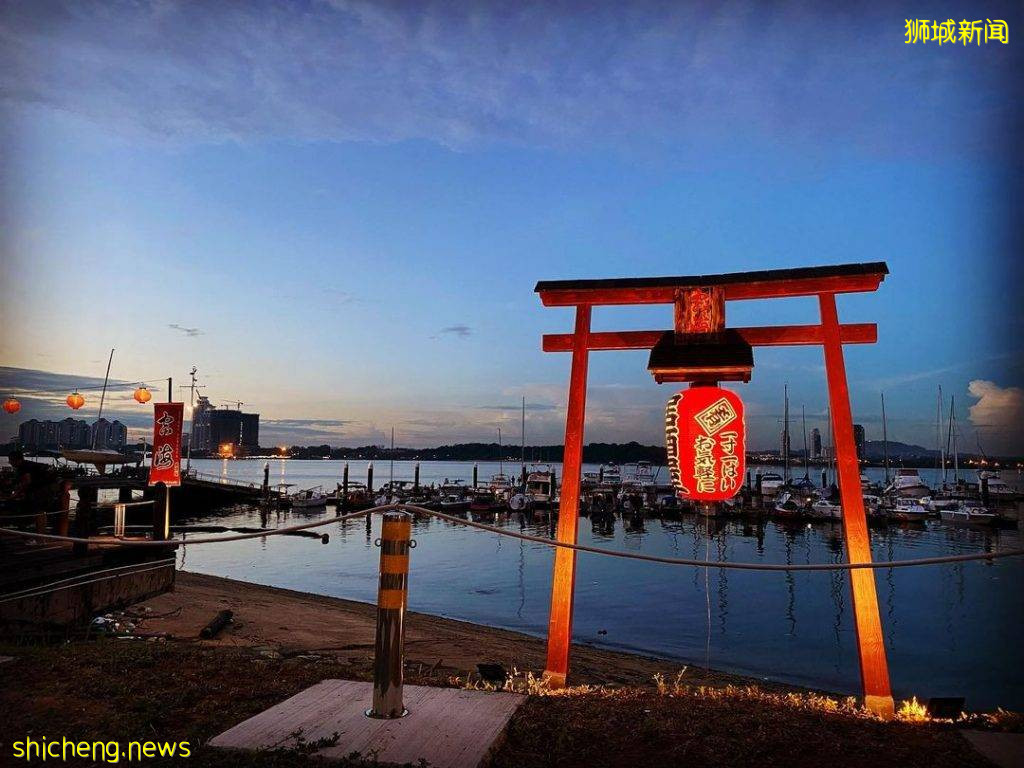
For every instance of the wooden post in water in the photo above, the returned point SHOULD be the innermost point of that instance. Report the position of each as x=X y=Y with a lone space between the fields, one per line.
x=416 y=478
x=344 y=487
x=84 y=518
x=563 y=580
x=392 y=598
x=162 y=513
x=65 y=508
x=369 y=479
x=874 y=668
x=476 y=471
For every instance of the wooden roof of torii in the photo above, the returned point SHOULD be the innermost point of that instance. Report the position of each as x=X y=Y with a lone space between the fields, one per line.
x=763 y=284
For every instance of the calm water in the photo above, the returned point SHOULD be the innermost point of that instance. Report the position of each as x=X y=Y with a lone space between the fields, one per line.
x=950 y=630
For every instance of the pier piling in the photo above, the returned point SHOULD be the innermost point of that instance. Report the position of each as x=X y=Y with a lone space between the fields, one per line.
x=369 y=478
x=392 y=598
x=416 y=478
x=344 y=487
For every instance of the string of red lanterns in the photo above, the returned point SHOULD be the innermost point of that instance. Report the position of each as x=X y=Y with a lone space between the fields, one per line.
x=75 y=400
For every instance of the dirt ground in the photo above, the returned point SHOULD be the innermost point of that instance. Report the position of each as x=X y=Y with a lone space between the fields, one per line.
x=293 y=623
x=182 y=688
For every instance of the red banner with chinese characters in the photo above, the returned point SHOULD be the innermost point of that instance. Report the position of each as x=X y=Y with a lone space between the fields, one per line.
x=166 y=461
x=706 y=441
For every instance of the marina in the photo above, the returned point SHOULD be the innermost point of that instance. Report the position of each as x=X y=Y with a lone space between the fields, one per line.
x=946 y=640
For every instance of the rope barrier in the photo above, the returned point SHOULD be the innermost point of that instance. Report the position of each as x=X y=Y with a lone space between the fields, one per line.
x=718 y=563
x=546 y=542
x=200 y=540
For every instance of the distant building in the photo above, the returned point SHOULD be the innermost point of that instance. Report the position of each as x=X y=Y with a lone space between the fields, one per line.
x=201 y=425
x=858 y=439
x=67 y=433
x=109 y=434
x=815 y=443
x=240 y=431
x=250 y=431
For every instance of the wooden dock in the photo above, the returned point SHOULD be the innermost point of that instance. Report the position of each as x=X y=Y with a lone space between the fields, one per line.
x=46 y=586
x=445 y=727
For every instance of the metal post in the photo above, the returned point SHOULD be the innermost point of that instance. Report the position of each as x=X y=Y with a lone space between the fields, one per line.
x=563 y=579
x=874 y=668
x=119 y=520
x=392 y=597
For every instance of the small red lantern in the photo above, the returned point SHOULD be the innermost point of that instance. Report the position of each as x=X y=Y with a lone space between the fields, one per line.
x=706 y=441
x=11 y=405
x=75 y=401
x=142 y=395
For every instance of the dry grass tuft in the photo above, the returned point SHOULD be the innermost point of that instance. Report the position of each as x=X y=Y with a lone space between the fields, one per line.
x=912 y=711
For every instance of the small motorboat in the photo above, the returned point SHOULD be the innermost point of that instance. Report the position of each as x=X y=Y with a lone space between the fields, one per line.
x=969 y=513
x=909 y=510
x=453 y=502
x=788 y=507
x=823 y=509
x=771 y=482
x=311 y=498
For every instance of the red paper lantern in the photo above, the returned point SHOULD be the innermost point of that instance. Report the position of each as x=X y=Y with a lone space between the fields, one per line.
x=706 y=441
x=11 y=405
x=142 y=395
x=75 y=401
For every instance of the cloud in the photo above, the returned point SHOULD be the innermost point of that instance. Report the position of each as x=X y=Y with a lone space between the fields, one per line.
x=476 y=73
x=461 y=331
x=187 y=331
x=998 y=416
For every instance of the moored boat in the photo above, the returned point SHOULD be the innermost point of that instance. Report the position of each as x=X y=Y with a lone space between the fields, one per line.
x=970 y=514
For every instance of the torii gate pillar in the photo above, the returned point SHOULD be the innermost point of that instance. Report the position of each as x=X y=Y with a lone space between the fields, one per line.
x=823 y=282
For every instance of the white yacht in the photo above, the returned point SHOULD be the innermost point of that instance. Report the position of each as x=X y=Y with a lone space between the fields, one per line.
x=540 y=486
x=996 y=485
x=908 y=484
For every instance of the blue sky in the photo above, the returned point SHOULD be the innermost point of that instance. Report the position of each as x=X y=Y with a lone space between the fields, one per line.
x=350 y=204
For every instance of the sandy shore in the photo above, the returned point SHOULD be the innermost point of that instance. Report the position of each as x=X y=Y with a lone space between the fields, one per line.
x=292 y=623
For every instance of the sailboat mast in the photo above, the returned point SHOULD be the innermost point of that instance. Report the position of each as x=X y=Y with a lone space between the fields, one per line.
x=785 y=435
x=885 y=442
x=501 y=468
x=522 y=453
x=803 y=418
x=103 y=396
x=941 y=457
x=952 y=428
x=392 y=459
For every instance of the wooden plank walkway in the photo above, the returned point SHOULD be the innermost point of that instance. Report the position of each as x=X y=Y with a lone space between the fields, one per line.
x=447 y=727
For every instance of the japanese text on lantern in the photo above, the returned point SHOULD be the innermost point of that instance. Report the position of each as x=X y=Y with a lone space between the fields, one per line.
x=166 y=462
x=705 y=442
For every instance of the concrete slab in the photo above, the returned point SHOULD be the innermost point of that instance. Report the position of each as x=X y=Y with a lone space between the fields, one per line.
x=1004 y=749
x=447 y=727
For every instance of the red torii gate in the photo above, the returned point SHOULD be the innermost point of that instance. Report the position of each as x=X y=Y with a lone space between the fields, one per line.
x=823 y=282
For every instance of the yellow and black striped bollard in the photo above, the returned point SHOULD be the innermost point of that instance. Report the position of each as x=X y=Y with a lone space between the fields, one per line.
x=392 y=598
